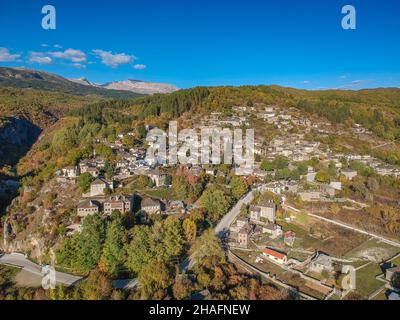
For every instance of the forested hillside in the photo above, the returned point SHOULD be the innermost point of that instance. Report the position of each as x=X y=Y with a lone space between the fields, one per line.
x=377 y=110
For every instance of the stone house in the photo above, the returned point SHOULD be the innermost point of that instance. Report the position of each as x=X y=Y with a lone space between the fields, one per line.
x=255 y=213
x=157 y=177
x=274 y=230
x=151 y=205
x=391 y=272
x=243 y=236
x=88 y=207
x=70 y=172
x=349 y=173
x=327 y=190
x=268 y=210
x=321 y=262
x=289 y=238
x=121 y=203
x=99 y=186
x=275 y=256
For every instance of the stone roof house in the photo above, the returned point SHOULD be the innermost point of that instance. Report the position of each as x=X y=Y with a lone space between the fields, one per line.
x=88 y=207
x=121 y=203
x=151 y=205
x=99 y=186
x=321 y=262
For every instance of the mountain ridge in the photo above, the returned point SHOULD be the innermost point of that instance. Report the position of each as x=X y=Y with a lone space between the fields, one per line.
x=41 y=80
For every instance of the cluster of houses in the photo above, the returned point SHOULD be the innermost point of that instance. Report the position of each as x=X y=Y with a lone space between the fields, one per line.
x=294 y=147
x=260 y=220
x=379 y=167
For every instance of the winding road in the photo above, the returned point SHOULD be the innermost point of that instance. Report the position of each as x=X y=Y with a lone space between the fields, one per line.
x=20 y=261
x=223 y=226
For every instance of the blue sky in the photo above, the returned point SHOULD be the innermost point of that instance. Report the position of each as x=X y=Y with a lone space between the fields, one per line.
x=297 y=43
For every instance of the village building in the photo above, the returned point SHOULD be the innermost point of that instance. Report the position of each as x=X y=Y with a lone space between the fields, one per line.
x=255 y=213
x=70 y=172
x=349 y=173
x=275 y=256
x=268 y=210
x=264 y=212
x=327 y=190
x=273 y=230
x=240 y=223
x=243 y=236
x=99 y=186
x=176 y=207
x=88 y=207
x=84 y=165
x=210 y=171
x=321 y=262
x=336 y=185
x=276 y=187
x=94 y=172
x=292 y=187
x=310 y=177
x=151 y=206
x=157 y=177
x=289 y=238
x=121 y=203
x=391 y=272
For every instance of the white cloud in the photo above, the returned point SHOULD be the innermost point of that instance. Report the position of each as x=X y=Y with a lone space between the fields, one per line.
x=6 y=56
x=44 y=45
x=39 y=57
x=139 y=66
x=76 y=56
x=113 y=60
x=306 y=82
x=79 y=65
x=57 y=46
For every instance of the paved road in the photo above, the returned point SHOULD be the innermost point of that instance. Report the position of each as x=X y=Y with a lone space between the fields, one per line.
x=223 y=226
x=19 y=260
x=341 y=224
x=126 y=284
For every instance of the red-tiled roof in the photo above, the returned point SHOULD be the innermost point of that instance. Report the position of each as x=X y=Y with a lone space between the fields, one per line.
x=274 y=253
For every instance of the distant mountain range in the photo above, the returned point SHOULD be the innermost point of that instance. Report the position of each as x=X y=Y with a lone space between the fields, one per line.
x=131 y=85
x=27 y=78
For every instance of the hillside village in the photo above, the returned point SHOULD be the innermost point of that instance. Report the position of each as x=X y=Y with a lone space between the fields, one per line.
x=299 y=230
x=267 y=226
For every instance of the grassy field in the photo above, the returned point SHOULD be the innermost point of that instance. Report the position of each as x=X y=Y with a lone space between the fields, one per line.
x=396 y=261
x=333 y=240
x=381 y=296
x=365 y=279
x=373 y=250
x=7 y=276
x=161 y=193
